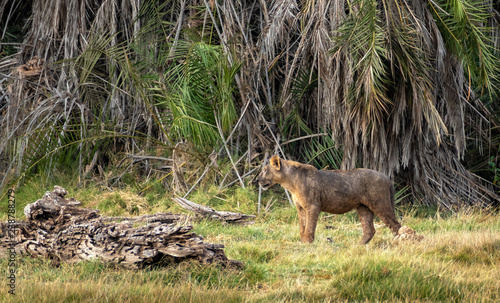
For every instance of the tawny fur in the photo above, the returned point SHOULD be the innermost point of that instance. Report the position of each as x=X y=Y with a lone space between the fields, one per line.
x=336 y=192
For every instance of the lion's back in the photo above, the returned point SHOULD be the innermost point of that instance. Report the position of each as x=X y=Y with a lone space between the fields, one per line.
x=345 y=188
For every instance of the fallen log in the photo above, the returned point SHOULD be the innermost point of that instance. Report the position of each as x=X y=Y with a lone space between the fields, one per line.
x=207 y=212
x=59 y=229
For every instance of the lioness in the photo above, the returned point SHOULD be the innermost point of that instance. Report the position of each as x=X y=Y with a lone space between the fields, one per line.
x=337 y=192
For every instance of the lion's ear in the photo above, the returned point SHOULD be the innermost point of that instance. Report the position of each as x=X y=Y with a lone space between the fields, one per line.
x=275 y=162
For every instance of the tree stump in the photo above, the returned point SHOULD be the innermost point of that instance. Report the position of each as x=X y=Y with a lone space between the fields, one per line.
x=59 y=229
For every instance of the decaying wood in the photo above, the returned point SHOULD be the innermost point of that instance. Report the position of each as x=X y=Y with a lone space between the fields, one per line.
x=59 y=229
x=205 y=211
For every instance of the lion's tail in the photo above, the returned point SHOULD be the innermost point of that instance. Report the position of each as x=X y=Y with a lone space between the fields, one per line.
x=393 y=202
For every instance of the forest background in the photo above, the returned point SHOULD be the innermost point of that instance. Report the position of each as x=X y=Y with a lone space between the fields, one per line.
x=409 y=88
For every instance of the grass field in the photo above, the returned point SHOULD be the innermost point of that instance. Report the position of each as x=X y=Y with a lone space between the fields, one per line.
x=458 y=261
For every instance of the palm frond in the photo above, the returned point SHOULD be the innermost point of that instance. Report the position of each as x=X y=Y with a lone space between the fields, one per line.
x=323 y=153
x=362 y=37
x=201 y=85
x=463 y=25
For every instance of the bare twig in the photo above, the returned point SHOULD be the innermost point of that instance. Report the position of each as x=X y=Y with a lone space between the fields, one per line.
x=199 y=179
x=246 y=174
x=304 y=137
x=146 y=157
x=227 y=149
x=179 y=27
x=208 y=212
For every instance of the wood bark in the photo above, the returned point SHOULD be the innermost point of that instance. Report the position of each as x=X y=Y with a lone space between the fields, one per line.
x=59 y=229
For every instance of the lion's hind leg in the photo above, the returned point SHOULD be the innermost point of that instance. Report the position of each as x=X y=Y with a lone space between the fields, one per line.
x=366 y=217
x=390 y=220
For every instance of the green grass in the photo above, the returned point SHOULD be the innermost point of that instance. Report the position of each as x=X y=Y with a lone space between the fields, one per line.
x=458 y=261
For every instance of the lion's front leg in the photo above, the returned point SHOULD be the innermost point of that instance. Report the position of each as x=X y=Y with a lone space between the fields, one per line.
x=302 y=221
x=311 y=222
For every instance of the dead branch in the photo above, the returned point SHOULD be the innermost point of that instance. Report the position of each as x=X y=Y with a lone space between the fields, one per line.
x=204 y=211
x=59 y=229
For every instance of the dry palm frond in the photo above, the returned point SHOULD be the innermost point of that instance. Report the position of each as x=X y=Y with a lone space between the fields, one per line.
x=282 y=18
x=90 y=84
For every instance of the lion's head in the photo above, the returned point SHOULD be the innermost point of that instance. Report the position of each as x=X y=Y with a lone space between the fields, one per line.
x=271 y=173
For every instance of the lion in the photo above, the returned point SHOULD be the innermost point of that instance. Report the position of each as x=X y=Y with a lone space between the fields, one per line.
x=333 y=191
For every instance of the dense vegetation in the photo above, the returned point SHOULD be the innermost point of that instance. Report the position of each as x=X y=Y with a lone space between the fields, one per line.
x=178 y=91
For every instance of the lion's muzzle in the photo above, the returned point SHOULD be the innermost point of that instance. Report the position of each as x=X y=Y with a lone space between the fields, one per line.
x=265 y=186
x=263 y=182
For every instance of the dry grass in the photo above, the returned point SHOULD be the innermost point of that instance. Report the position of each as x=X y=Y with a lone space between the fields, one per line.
x=458 y=260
